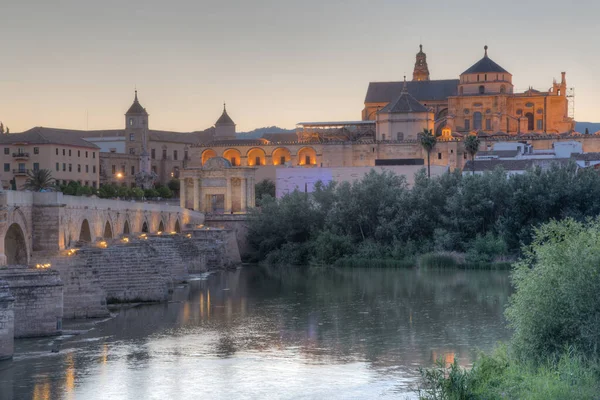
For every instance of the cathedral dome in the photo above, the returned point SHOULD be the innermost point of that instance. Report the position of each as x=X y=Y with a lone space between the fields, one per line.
x=485 y=65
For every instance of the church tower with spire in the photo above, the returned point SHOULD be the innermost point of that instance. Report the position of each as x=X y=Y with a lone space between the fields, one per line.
x=225 y=127
x=421 y=71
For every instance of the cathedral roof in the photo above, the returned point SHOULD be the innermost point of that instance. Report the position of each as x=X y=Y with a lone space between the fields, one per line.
x=384 y=92
x=136 y=108
x=224 y=118
x=405 y=103
x=486 y=64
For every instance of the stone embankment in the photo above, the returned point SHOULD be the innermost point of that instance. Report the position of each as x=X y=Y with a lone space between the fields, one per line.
x=80 y=282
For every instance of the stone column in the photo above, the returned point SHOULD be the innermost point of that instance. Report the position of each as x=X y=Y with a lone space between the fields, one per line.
x=196 y=194
x=228 y=196
x=243 y=184
x=251 y=195
x=182 y=193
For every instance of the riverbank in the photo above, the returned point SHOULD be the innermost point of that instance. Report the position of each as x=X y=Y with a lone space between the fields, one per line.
x=430 y=260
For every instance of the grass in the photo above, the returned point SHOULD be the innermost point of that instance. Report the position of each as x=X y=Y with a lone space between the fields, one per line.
x=457 y=260
x=499 y=376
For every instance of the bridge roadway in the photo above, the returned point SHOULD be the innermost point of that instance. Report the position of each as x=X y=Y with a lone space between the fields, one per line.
x=34 y=224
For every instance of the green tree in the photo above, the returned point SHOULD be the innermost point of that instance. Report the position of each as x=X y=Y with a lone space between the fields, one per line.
x=150 y=193
x=123 y=192
x=174 y=185
x=84 y=191
x=164 y=192
x=428 y=141
x=262 y=188
x=137 y=193
x=472 y=147
x=40 y=180
x=107 y=191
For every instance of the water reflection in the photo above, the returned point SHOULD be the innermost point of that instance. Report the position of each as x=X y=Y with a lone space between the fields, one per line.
x=309 y=333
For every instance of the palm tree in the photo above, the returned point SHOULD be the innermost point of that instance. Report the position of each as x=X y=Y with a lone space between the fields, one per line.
x=428 y=141
x=39 y=180
x=472 y=147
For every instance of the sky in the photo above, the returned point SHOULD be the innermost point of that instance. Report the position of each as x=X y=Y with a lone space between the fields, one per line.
x=75 y=63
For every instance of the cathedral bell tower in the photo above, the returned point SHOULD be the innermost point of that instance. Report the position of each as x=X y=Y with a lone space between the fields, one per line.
x=421 y=71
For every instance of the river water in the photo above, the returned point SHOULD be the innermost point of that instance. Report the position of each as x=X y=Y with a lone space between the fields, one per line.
x=260 y=333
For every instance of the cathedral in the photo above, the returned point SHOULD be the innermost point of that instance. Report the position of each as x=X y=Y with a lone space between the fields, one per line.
x=482 y=100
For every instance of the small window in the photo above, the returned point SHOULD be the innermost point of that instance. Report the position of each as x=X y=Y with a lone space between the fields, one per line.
x=132 y=170
x=87 y=169
x=307 y=160
x=57 y=167
x=94 y=184
x=123 y=169
x=78 y=167
x=7 y=150
x=257 y=161
x=36 y=166
x=282 y=160
x=233 y=161
x=153 y=154
x=57 y=151
x=467 y=124
x=6 y=167
x=130 y=121
x=131 y=150
x=185 y=155
x=488 y=124
x=540 y=124
x=485 y=79
x=36 y=150
x=86 y=154
x=114 y=169
x=87 y=183
x=93 y=154
x=69 y=152
x=460 y=91
x=78 y=153
x=481 y=89
x=439 y=156
x=64 y=152
x=93 y=169
x=131 y=137
x=164 y=154
x=70 y=167
x=175 y=155
x=64 y=167
x=502 y=89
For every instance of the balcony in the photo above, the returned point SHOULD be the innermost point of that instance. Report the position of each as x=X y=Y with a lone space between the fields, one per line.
x=20 y=172
x=21 y=156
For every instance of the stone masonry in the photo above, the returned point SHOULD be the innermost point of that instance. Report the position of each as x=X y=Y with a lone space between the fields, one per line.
x=7 y=321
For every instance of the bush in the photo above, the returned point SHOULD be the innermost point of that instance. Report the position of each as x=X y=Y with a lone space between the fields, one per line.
x=137 y=193
x=123 y=192
x=164 y=192
x=174 y=185
x=556 y=302
x=329 y=247
x=486 y=249
x=150 y=193
x=107 y=191
x=263 y=188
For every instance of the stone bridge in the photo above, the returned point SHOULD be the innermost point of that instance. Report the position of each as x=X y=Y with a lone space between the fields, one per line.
x=40 y=224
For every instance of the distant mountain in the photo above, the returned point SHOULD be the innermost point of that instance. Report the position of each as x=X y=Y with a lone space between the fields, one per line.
x=258 y=132
x=592 y=127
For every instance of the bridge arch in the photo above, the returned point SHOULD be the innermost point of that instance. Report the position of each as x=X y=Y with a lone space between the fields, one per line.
x=161 y=226
x=15 y=245
x=108 y=232
x=177 y=226
x=126 y=229
x=85 y=234
x=145 y=227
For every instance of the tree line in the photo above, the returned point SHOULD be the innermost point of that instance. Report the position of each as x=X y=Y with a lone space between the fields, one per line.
x=485 y=217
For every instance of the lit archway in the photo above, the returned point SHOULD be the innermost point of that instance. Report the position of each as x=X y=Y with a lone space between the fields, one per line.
x=84 y=233
x=207 y=155
x=108 y=233
x=256 y=156
x=15 y=247
x=233 y=156
x=177 y=227
x=307 y=156
x=126 y=228
x=281 y=156
x=145 y=227
x=161 y=227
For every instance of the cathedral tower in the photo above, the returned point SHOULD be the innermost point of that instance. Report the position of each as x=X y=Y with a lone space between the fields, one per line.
x=224 y=127
x=421 y=72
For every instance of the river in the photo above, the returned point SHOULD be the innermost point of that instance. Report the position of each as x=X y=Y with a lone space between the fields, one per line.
x=266 y=333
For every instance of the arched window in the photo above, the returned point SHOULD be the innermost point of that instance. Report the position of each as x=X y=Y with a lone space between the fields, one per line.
x=502 y=89
x=481 y=89
x=477 y=120
x=460 y=90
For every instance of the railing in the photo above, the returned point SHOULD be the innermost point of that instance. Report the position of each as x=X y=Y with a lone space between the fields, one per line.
x=21 y=155
x=20 y=171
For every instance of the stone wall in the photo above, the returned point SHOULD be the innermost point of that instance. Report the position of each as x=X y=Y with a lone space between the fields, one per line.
x=236 y=232
x=38 y=306
x=7 y=321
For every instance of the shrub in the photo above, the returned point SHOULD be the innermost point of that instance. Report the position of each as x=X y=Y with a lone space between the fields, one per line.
x=164 y=192
x=263 y=188
x=150 y=193
x=137 y=193
x=556 y=302
x=486 y=249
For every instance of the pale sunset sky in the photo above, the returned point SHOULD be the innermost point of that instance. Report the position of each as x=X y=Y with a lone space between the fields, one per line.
x=274 y=62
